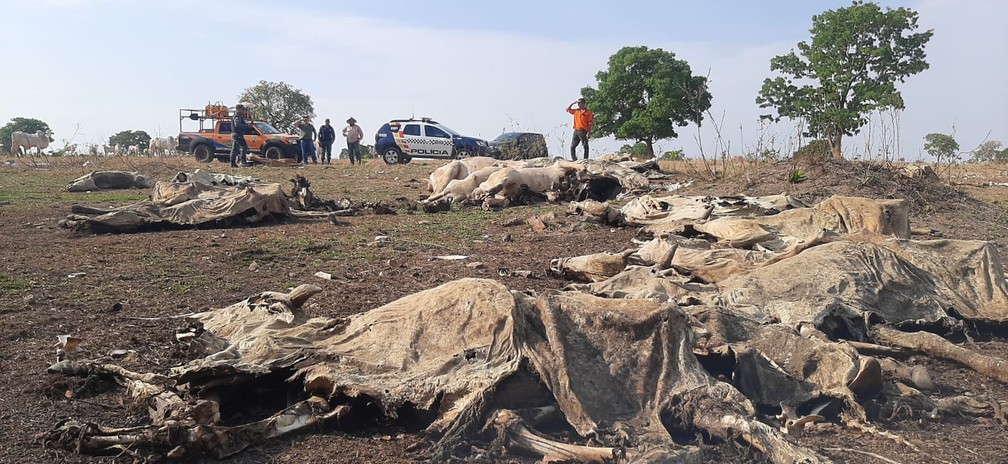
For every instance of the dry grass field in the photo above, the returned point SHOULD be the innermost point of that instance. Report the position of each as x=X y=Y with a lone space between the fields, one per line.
x=119 y=291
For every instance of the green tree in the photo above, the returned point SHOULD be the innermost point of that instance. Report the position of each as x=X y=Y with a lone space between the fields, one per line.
x=637 y=150
x=674 y=155
x=987 y=152
x=366 y=151
x=644 y=95
x=850 y=68
x=941 y=146
x=278 y=103
x=128 y=138
x=29 y=125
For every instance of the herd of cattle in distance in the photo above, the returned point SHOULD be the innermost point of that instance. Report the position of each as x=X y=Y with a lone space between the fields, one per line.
x=24 y=143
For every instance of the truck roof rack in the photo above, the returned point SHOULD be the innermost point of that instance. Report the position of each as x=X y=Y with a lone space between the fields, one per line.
x=211 y=112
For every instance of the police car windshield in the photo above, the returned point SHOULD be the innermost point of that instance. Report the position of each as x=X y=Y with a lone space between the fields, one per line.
x=453 y=133
x=266 y=128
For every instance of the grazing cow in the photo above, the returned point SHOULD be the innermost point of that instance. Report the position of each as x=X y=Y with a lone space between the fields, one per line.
x=161 y=146
x=70 y=149
x=133 y=150
x=40 y=140
x=92 y=150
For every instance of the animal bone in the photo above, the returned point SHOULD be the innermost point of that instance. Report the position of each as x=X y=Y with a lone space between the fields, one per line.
x=936 y=346
x=518 y=437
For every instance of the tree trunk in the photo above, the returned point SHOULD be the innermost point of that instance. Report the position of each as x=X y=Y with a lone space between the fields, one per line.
x=835 y=146
x=650 y=148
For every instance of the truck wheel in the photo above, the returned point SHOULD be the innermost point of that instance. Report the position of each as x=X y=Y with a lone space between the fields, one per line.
x=203 y=152
x=273 y=152
x=392 y=155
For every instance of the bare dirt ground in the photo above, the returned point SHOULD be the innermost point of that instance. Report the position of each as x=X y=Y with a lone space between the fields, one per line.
x=119 y=292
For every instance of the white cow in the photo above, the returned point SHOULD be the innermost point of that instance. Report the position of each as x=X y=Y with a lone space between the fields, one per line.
x=40 y=139
x=133 y=150
x=509 y=184
x=162 y=146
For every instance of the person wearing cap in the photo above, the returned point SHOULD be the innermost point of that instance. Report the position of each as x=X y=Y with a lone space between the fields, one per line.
x=239 y=127
x=583 y=121
x=353 y=134
x=307 y=139
x=326 y=137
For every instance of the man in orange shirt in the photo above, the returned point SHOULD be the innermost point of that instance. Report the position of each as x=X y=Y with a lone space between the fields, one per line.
x=583 y=121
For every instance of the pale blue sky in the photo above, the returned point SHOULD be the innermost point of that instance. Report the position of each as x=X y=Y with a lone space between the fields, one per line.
x=478 y=67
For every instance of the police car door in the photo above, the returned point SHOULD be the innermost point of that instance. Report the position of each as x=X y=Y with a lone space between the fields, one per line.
x=412 y=140
x=439 y=140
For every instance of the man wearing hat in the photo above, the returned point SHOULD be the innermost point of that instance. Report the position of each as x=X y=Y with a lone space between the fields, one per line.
x=583 y=121
x=353 y=134
x=307 y=140
x=238 y=129
x=326 y=137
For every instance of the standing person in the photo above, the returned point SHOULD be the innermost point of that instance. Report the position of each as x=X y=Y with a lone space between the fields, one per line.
x=353 y=134
x=307 y=141
x=238 y=129
x=326 y=137
x=583 y=121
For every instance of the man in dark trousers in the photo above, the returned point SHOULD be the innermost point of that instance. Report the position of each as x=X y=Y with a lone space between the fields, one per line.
x=326 y=137
x=238 y=129
x=584 y=119
x=307 y=139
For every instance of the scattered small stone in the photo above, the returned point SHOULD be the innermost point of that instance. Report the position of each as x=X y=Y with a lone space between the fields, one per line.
x=117 y=354
x=254 y=266
x=323 y=275
x=506 y=238
x=475 y=265
x=116 y=307
x=28 y=299
x=74 y=275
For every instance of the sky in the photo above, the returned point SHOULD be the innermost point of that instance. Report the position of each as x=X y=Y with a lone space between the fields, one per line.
x=91 y=68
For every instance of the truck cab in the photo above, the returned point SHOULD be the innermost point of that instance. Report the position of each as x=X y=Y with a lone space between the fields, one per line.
x=213 y=136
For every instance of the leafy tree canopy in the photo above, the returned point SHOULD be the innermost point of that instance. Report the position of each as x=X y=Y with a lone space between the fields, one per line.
x=278 y=103
x=128 y=138
x=644 y=95
x=940 y=146
x=849 y=69
x=29 y=125
x=987 y=152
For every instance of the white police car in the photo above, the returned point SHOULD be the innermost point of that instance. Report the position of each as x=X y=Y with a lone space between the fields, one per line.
x=400 y=140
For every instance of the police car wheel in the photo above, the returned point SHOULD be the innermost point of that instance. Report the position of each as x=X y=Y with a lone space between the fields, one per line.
x=392 y=156
x=462 y=154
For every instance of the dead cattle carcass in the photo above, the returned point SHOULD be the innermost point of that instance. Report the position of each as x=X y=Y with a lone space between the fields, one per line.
x=464 y=356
